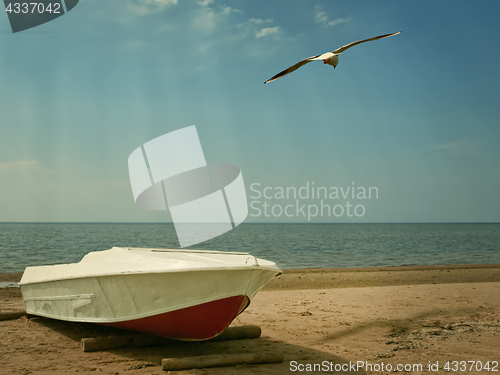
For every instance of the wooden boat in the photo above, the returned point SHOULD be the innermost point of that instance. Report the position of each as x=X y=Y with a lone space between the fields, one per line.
x=181 y=294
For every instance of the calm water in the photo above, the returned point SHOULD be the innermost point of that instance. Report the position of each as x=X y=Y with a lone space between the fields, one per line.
x=289 y=245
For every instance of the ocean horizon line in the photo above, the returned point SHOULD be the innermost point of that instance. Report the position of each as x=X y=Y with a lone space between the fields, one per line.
x=252 y=223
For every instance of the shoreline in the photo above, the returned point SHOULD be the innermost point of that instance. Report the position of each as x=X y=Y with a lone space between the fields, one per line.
x=14 y=276
x=326 y=278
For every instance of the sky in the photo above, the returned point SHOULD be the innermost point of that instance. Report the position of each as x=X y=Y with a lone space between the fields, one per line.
x=414 y=116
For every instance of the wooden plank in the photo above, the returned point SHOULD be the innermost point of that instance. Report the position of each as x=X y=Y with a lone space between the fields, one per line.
x=9 y=315
x=202 y=361
x=238 y=333
x=105 y=343
x=143 y=340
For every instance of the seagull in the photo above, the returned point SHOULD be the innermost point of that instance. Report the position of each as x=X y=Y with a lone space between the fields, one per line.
x=331 y=58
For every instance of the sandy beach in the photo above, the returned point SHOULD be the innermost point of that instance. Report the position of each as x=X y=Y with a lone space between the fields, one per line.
x=356 y=321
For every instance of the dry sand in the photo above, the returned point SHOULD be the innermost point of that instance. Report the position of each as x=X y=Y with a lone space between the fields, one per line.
x=404 y=315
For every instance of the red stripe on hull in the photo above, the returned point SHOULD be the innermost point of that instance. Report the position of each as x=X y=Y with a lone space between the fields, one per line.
x=200 y=322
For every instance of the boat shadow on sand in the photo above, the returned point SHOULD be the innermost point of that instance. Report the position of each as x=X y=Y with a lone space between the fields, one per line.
x=134 y=358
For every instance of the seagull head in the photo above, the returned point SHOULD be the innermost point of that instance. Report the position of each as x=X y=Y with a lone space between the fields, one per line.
x=333 y=61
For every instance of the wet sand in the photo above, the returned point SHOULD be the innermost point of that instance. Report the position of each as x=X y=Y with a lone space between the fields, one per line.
x=407 y=316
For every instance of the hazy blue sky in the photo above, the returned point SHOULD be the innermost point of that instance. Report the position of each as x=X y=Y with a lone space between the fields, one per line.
x=415 y=115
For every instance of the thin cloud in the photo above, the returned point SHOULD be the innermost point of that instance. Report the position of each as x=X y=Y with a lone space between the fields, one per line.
x=266 y=31
x=131 y=10
x=252 y=22
x=460 y=147
x=261 y=36
x=208 y=19
x=254 y=25
x=255 y=36
x=144 y=7
x=336 y=21
x=322 y=18
x=19 y=165
x=161 y=2
x=205 y=3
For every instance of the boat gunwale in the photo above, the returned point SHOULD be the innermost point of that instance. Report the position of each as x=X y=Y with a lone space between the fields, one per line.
x=182 y=250
x=145 y=272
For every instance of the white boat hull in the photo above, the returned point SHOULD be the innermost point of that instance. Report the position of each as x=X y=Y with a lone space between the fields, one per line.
x=197 y=302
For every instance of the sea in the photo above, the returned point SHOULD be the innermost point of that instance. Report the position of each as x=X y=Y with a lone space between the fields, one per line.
x=289 y=245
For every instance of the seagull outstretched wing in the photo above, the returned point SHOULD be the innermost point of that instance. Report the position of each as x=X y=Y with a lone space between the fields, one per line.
x=292 y=68
x=338 y=51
